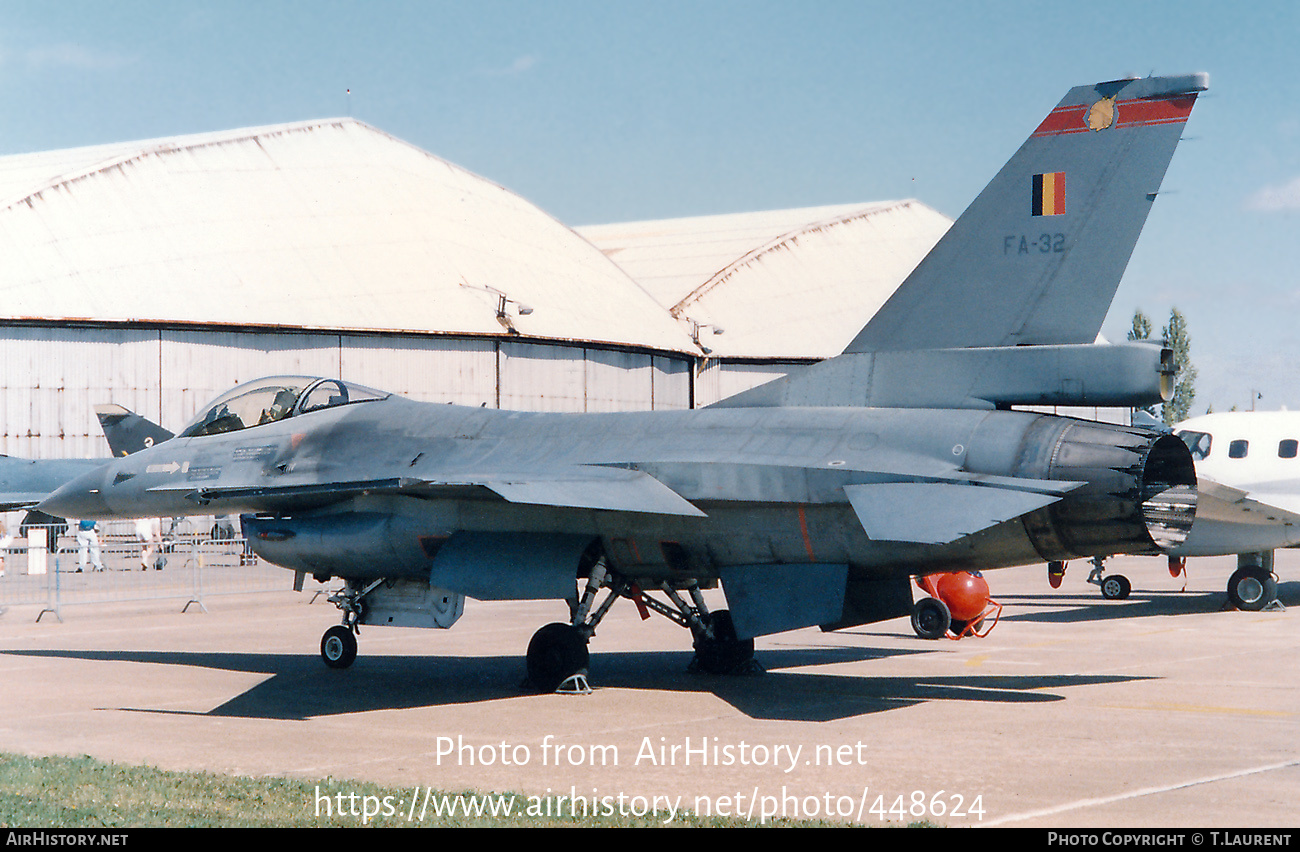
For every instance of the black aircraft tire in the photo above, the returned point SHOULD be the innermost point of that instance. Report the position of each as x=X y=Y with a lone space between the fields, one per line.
x=338 y=647
x=931 y=618
x=1251 y=589
x=1115 y=587
x=556 y=652
x=724 y=653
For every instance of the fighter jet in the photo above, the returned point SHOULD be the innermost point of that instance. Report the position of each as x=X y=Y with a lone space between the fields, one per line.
x=812 y=499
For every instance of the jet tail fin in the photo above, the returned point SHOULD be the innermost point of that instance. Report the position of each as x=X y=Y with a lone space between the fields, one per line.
x=128 y=432
x=1038 y=255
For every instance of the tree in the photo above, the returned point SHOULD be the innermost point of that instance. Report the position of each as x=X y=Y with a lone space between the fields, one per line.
x=1141 y=329
x=1177 y=339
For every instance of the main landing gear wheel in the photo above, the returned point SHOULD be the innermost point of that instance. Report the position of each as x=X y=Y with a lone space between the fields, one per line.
x=1115 y=587
x=556 y=653
x=1252 y=588
x=338 y=647
x=724 y=653
x=931 y=618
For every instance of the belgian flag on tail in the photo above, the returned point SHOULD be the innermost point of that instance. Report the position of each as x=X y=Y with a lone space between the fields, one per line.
x=1049 y=194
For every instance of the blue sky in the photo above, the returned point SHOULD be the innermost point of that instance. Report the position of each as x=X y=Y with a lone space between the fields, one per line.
x=610 y=111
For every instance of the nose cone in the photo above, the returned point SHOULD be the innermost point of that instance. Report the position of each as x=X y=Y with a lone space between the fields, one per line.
x=81 y=498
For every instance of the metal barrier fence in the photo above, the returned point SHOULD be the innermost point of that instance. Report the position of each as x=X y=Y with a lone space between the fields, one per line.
x=56 y=567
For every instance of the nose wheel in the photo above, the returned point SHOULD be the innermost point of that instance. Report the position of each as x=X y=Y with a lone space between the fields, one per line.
x=338 y=647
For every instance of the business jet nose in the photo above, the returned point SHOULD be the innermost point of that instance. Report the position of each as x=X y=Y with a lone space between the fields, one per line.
x=81 y=498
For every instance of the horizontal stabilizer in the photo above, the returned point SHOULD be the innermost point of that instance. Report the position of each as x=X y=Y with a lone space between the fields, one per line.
x=937 y=512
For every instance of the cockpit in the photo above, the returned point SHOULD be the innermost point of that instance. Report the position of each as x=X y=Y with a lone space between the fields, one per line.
x=1197 y=442
x=275 y=398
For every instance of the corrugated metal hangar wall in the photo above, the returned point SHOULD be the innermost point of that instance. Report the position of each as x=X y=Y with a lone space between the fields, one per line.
x=159 y=274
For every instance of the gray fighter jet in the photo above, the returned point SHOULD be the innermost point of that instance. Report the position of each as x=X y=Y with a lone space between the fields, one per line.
x=812 y=499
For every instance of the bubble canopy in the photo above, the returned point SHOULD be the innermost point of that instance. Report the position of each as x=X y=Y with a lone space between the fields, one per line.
x=274 y=398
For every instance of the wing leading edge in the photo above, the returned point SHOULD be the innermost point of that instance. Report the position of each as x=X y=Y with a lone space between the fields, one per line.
x=587 y=487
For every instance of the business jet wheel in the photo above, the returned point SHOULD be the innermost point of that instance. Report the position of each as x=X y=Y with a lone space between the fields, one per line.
x=724 y=653
x=1252 y=588
x=931 y=618
x=556 y=652
x=338 y=647
x=1115 y=587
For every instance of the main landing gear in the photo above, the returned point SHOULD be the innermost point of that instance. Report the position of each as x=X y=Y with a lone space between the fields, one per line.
x=558 y=657
x=1253 y=586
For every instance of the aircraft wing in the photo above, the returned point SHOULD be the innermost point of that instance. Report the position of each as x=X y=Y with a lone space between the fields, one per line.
x=26 y=482
x=1219 y=502
x=13 y=500
x=583 y=487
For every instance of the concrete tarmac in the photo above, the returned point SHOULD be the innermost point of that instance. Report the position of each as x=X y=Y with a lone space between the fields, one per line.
x=1160 y=711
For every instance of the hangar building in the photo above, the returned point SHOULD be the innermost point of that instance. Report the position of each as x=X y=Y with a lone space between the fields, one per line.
x=158 y=274
x=762 y=292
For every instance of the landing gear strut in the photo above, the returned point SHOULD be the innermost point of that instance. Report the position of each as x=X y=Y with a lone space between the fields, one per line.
x=1114 y=587
x=338 y=647
x=558 y=656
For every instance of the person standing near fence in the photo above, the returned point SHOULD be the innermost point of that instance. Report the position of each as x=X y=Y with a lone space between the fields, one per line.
x=88 y=540
x=6 y=541
x=149 y=531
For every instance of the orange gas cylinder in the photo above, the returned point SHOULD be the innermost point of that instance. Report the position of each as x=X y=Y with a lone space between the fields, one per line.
x=965 y=594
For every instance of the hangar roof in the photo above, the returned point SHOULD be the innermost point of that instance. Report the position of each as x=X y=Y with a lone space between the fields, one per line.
x=326 y=224
x=780 y=284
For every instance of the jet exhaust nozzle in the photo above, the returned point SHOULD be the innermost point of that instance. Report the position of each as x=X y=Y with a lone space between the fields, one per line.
x=1140 y=496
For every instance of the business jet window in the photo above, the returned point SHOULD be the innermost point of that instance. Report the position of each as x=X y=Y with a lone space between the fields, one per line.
x=1198 y=443
x=1237 y=449
x=1287 y=448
